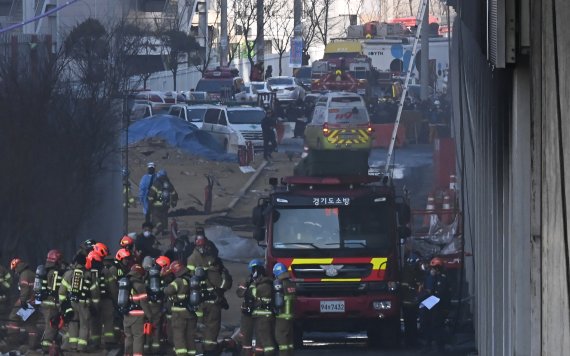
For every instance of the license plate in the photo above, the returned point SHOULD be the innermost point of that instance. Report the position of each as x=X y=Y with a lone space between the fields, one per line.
x=332 y=306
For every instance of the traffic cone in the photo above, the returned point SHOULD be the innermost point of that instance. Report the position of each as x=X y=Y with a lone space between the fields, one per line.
x=430 y=210
x=447 y=209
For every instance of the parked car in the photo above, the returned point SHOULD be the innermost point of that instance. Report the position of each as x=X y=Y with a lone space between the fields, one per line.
x=287 y=89
x=234 y=125
x=191 y=113
x=249 y=93
x=142 y=110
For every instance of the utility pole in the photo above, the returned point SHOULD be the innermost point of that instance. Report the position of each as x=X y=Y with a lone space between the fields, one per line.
x=224 y=33
x=260 y=43
x=424 y=60
x=202 y=9
x=297 y=27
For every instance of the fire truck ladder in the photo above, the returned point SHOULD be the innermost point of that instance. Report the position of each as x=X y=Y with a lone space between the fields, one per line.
x=419 y=23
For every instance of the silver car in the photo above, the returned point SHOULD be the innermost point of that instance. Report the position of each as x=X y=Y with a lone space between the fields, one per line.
x=286 y=89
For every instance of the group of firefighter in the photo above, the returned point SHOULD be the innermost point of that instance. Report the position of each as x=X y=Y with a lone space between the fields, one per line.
x=159 y=300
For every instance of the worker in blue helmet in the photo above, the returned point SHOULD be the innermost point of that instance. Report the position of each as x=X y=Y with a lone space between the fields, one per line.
x=284 y=295
x=246 y=290
x=262 y=313
x=161 y=197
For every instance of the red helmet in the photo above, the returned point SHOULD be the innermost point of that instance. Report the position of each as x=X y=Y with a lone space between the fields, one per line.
x=163 y=261
x=54 y=256
x=101 y=249
x=127 y=241
x=92 y=256
x=14 y=263
x=122 y=254
x=138 y=269
x=176 y=267
x=436 y=262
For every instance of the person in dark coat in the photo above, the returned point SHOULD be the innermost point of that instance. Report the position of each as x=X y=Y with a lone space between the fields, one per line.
x=268 y=126
x=432 y=320
x=146 y=243
x=268 y=72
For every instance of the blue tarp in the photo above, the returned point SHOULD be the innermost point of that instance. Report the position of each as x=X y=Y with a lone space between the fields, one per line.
x=179 y=134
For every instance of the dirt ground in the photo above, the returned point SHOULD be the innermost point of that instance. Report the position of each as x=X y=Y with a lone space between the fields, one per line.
x=188 y=175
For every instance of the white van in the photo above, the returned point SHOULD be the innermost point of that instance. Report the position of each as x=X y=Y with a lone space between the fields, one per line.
x=234 y=125
x=340 y=122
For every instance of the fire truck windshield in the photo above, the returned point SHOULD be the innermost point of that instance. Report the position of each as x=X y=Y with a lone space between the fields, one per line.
x=214 y=85
x=344 y=230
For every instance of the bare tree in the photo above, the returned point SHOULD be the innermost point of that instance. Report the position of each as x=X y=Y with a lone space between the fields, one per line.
x=281 y=28
x=312 y=17
x=245 y=11
x=60 y=123
x=204 y=57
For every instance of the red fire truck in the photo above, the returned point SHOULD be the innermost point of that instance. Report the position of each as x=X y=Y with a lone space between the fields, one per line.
x=220 y=83
x=339 y=238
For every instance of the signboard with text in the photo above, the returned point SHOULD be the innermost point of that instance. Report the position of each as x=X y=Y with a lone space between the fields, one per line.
x=296 y=55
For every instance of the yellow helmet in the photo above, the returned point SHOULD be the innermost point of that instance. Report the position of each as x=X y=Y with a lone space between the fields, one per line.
x=338 y=72
x=368 y=35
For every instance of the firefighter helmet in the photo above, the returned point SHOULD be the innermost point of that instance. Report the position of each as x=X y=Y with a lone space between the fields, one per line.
x=176 y=267
x=92 y=258
x=127 y=241
x=101 y=249
x=436 y=262
x=138 y=269
x=162 y=261
x=14 y=263
x=254 y=263
x=54 y=256
x=279 y=269
x=122 y=254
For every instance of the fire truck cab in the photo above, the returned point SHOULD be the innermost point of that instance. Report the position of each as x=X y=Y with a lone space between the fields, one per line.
x=220 y=83
x=339 y=238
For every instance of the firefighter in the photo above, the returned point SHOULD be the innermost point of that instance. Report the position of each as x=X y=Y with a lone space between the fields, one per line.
x=102 y=320
x=262 y=311
x=133 y=301
x=144 y=188
x=154 y=287
x=25 y=301
x=77 y=293
x=245 y=291
x=184 y=319
x=128 y=243
x=161 y=197
x=411 y=280
x=110 y=337
x=124 y=259
x=5 y=284
x=284 y=300
x=432 y=320
x=55 y=268
x=214 y=283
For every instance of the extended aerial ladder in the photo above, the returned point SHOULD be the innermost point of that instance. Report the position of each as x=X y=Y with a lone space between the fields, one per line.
x=419 y=24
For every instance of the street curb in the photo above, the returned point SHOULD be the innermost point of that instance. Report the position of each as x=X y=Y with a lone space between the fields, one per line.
x=244 y=189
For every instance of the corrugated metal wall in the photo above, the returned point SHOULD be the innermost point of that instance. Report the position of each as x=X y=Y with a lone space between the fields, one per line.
x=513 y=130
x=551 y=116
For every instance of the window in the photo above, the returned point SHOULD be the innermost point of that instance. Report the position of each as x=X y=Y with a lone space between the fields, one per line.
x=175 y=111
x=248 y=116
x=212 y=116
x=195 y=114
x=279 y=81
x=223 y=121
